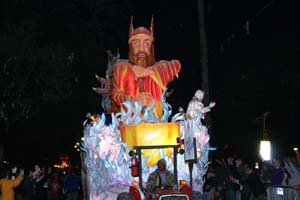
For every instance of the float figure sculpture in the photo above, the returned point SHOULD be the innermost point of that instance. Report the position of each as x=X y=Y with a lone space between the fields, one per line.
x=142 y=79
x=195 y=106
x=137 y=92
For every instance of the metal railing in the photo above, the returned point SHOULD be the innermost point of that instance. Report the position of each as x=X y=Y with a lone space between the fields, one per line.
x=282 y=193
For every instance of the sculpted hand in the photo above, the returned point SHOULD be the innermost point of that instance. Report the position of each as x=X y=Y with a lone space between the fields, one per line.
x=145 y=99
x=141 y=71
x=212 y=104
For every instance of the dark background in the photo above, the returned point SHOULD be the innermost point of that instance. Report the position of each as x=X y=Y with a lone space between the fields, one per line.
x=251 y=71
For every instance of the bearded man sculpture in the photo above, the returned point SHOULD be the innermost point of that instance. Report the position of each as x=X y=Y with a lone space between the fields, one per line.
x=142 y=79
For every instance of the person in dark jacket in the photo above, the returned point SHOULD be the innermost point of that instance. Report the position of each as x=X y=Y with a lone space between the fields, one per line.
x=71 y=185
x=41 y=185
x=277 y=173
x=160 y=178
x=230 y=171
x=25 y=188
x=210 y=185
x=242 y=176
x=256 y=185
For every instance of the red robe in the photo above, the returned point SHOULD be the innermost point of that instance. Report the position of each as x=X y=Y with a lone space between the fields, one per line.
x=125 y=83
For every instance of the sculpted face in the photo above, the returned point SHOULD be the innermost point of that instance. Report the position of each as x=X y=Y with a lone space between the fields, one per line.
x=141 y=50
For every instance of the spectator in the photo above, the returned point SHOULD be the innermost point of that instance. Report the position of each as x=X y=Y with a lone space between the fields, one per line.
x=265 y=174
x=210 y=185
x=242 y=176
x=256 y=186
x=27 y=184
x=18 y=191
x=55 y=187
x=71 y=185
x=7 y=185
x=220 y=175
x=230 y=171
x=294 y=178
x=41 y=188
x=24 y=191
x=277 y=173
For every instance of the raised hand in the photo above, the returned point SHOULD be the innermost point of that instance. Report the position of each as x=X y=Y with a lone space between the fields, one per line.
x=145 y=99
x=14 y=170
x=212 y=104
x=21 y=172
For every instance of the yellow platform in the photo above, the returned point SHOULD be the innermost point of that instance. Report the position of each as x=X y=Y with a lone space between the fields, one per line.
x=144 y=134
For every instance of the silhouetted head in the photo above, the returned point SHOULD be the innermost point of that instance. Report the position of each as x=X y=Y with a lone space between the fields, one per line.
x=161 y=165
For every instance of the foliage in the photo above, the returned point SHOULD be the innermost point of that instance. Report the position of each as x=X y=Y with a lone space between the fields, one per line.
x=45 y=46
x=31 y=76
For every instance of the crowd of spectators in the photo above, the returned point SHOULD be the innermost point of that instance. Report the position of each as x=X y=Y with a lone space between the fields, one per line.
x=229 y=177
x=39 y=183
x=233 y=178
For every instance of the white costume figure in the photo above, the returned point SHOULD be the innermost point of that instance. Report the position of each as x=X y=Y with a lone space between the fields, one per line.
x=196 y=105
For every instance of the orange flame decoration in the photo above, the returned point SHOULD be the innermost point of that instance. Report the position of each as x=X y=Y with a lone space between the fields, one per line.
x=64 y=163
x=94 y=118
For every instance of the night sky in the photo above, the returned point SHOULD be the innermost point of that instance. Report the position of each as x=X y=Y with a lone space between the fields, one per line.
x=254 y=58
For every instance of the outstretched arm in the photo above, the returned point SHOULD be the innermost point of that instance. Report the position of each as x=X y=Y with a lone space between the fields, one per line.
x=288 y=167
x=293 y=168
x=164 y=72
x=18 y=180
x=208 y=108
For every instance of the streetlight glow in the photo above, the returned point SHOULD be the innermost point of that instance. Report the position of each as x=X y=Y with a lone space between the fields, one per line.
x=265 y=149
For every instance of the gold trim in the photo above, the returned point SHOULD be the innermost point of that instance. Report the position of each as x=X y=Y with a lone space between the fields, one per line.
x=141 y=34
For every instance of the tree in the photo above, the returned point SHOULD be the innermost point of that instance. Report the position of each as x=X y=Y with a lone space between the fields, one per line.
x=87 y=28
x=30 y=77
x=204 y=56
x=45 y=47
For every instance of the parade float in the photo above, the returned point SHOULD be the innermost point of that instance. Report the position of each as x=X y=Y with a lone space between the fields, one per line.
x=137 y=115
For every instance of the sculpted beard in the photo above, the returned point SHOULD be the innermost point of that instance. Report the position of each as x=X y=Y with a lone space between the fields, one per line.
x=142 y=61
